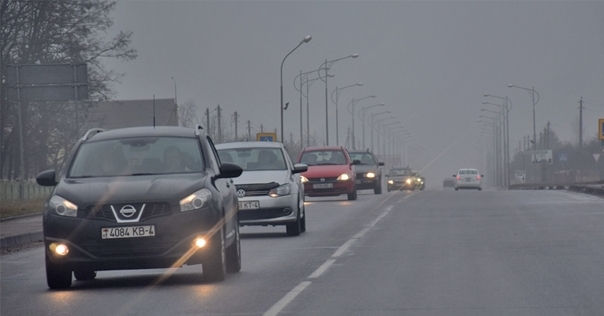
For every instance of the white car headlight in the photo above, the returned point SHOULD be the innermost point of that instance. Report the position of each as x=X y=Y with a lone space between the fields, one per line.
x=196 y=200
x=370 y=175
x=303 y=179
x=390 y=181
x=408 y=181
x=284 y=189
x=63 y=207
x=343 y=177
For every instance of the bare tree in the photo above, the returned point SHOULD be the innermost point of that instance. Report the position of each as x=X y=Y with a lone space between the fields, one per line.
x=50 y=32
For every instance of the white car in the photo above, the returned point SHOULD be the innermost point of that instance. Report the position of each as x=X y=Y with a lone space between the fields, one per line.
x=269 y=190
x=468 y=178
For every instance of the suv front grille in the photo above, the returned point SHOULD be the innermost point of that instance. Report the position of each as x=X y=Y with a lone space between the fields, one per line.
x=104 y=212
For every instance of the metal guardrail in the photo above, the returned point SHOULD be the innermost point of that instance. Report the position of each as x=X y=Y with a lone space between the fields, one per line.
x=590 y=188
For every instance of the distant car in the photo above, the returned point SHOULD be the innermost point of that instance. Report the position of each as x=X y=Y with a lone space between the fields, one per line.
x=140 y=198
x=468 y=178
x=369 y=173
x=269 y=189
x=449 y=182
x=420 y=182
x=331 y=172
x=401 y=178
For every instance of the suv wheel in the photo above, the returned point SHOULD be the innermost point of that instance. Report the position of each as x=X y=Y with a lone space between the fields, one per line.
x=214 y=267
x=352 y=195
x=378 y=187
x=233 y=253
x=303 y=219
x=57 y=277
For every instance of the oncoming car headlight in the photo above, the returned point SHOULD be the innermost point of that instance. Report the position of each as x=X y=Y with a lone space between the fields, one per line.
x=343 y=177
x=63 y=207
x=196 y=200
x=408 y=181
x=370 y=175
x=284 y=189
x=390 y=181
x=303 y=179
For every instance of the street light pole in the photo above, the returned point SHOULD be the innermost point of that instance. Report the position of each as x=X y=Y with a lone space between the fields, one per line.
x=379 y=126
x=362 y=118
x=535 y=101
x=305 y=40
x=506 y=139
x=326 y=66
x=371 y=124
x=351 y=111
x=337 y=92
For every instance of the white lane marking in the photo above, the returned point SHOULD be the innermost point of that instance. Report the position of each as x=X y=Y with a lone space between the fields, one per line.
x=280 y=305
x=343 y=248
x=322 y=269
x=275 y=309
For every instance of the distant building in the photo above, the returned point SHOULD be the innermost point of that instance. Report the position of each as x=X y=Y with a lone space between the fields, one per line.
x=131 y=113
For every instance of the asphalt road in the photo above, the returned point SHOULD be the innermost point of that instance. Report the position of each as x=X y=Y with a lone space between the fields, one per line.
x=399 y=253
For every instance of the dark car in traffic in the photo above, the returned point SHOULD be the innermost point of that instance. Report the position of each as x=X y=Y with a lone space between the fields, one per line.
x=331 y=171
x=401 y=178
x=141 y=198
x=368 y=171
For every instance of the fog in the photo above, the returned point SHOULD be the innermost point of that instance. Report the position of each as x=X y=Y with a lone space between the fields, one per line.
x=430 y=63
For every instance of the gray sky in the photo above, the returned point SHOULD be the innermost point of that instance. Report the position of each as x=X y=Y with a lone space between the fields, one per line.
x=429 y=62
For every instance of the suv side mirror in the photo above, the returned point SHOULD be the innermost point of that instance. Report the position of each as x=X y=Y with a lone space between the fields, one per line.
x=229 y=170
x=47 y=178
x=381 y=164
x=300 y=167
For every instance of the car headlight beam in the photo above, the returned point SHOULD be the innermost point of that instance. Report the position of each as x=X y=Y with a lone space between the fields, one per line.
x=284 y=189
x=344 y=177
x=370 y=175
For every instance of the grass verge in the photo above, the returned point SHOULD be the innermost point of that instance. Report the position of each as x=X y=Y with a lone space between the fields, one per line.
x=19 y=208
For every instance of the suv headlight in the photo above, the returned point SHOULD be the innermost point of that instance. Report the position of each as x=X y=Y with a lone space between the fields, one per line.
x=284 y=189
x=196 y=200
x=63 y=207
x=370 y=175
x=408 y=181
x=343 y=177
x=303 y=179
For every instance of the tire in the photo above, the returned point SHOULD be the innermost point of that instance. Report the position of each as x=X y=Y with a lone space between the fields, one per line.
x=295 y=228
x=233 y=253
x=456 y=189
x=479 y=189
x=214 y=267
x=84 y=275
x=303 y=219
x=353 y=195
x=378 y=188
x=57 y=277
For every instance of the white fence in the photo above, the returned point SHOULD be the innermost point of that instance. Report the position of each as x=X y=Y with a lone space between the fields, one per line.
x=9 y=190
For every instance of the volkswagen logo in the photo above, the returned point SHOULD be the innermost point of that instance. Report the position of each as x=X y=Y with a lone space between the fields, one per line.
x=240 y=193
x=322 y=179
x=128 y=211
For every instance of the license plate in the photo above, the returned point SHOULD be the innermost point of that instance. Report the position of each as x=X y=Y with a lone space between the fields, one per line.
x=249 y=205
x=322 y=186
x=127 y=232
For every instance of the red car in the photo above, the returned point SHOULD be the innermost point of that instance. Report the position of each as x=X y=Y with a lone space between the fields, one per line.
x=330 y=172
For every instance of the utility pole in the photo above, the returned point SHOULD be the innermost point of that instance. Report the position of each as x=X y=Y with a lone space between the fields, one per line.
x=219 y=127
x=249 y=130
x=236 y=118
x=208 y=120
x=581 y=125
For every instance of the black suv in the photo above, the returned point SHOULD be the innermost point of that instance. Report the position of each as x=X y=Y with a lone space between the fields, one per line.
x=368 y=172
x=401 y=178
x=141 y=198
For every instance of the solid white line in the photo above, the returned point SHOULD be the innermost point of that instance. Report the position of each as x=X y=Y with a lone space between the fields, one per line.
x=322 y=269
x=275 y=309
x=361 y=233
x=343 y=248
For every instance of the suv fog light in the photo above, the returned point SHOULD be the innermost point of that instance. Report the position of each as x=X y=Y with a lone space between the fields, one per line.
x=287 y=211
x=59 y=249
x=199 y=242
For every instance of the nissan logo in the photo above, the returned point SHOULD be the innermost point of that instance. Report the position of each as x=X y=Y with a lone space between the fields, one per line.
x=128 y=211
x=240 y=193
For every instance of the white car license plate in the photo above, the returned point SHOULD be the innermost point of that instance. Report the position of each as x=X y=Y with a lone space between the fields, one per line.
x=249 y=205
x=127 y=232
x=322 y=186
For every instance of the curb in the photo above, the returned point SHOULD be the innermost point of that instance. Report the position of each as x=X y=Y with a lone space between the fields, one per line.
x=20 y=240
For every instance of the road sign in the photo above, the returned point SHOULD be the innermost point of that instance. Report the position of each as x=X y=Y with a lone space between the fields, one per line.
x=596 y=156
x=266 y=137
x=601 y=128
x=541 y=155
x=562 y=157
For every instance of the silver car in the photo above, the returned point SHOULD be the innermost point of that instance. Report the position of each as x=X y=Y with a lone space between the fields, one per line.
x=468 y=178
x=269 y=189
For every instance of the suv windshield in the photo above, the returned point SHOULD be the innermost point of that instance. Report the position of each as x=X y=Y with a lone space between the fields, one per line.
x=364 y=158
x=137 y=156
x=400 y=172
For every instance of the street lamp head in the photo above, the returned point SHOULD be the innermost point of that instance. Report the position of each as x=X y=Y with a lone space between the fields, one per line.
x=486 y=95
x=381 y=104
x=307 y=39
x=482 y=109
x=359 y=84
x=484 y=102
x=355 y=55
x=511 y=86
x=372 y=96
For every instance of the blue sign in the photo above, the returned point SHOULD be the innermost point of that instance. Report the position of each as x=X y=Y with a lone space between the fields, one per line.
x=266 y=138
x=562 y=157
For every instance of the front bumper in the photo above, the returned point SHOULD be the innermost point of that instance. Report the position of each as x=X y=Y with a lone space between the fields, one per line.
x=171 y=246
x=338 y=188
x=273 y=211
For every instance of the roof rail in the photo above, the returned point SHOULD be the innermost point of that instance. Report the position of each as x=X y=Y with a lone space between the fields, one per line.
x=198 y=130
x=91 y=132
